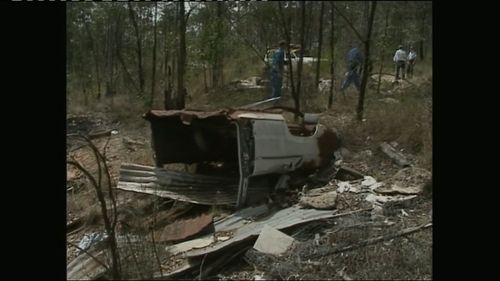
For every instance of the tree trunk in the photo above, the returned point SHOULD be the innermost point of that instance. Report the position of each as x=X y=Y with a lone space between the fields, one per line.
x=93 y=48
x=366 y=71
x=118 y=43
x=139 y=48
x=332 y=51
x=308 y=38
x=205 y=78
x=422 y=35
x=153 y=76
x=181 y=90
x=301 y=58
x=217 y=51
x=382 y=52
x=320 y=42
x=286 y=30
x=167 y=85
x=110 y=54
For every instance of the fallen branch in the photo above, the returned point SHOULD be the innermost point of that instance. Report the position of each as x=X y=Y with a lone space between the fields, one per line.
x=350 y=213
x=397 y=157
x=343 y=171
x=370 y=241
x=97 y=135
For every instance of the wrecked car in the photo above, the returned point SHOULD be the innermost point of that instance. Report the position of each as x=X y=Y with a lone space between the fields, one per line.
x=256 y=147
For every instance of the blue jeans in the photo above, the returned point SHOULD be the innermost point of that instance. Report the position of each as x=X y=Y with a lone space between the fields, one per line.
x=352 y=76
x=276 y=82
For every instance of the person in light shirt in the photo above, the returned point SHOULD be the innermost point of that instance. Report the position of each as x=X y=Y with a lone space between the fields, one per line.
x=412 y=56
x=400 y=60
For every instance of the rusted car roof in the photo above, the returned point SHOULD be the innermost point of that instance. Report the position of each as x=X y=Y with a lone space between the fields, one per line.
x=189 y=115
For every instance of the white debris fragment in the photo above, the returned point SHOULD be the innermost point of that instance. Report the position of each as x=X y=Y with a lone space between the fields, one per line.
x=343 y=186
x=272 y=241
x=223 y=238
x=368 y=181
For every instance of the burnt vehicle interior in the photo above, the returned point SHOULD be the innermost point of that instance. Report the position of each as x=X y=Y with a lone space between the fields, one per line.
x=222 y=144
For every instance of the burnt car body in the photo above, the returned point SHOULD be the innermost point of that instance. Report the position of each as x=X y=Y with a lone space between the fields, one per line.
x=256 y=147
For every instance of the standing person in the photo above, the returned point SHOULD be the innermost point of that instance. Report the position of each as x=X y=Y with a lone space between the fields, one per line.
x=412 y=56
x=400 y=60
x=277 y=66
x=354 y=61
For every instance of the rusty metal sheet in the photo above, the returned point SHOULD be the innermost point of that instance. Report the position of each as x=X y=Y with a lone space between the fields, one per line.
x=240 y=218
x=230 y=114
x=182 y=186
x=153 y=114
x=200 y=197
x=281 y=219
x=181 y=229
x=199 y=189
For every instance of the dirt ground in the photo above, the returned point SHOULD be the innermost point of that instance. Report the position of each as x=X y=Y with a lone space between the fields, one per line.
x=403 y=257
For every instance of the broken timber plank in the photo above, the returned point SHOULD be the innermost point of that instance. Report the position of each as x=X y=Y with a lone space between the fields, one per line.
x=397 y=157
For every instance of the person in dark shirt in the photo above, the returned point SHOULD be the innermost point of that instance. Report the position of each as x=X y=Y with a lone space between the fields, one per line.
x=354 y=62
x=277 y=66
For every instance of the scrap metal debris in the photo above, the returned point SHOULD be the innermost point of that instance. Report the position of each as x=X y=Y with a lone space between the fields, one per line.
x=181 y=229
x=250 y=167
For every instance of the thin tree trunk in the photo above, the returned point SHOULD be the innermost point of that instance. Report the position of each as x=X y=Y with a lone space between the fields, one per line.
x=110 y=56
x=139 y=48
x=118 y=42
x=382 y=52
x=153 y=76
x=318 y=63
x=290 y=62
x=288 y=39
x=217 y=59
x=205 y=78
x=181 y=90
x=422 y=35
x=308 y=38
x=301 y=58
x=96 y=59
x=366 y=72
x=332 y=51
x=167 y=90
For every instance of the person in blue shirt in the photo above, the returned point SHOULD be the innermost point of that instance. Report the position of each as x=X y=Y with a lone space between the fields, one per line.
x=277 y=66
x=354 y=62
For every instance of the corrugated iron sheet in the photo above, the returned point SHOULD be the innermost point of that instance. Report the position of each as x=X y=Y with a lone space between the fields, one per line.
x=281 y=219
x=180 y=186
